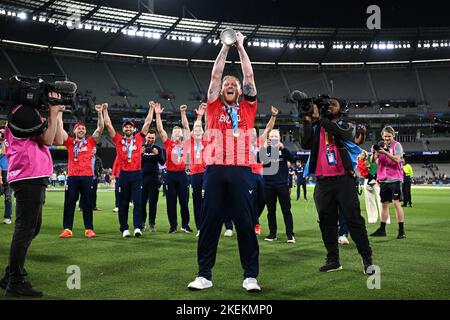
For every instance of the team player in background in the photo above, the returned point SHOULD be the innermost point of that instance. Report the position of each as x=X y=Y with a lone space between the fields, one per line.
x=129 y=154
x=257 y=169
x=80 y=175
x=300 y=179
x=152 y=157
x=228 y=182
x=197 y=162
x=177 y=183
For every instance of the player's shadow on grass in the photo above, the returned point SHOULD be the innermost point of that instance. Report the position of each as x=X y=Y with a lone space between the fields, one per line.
x=50 y=258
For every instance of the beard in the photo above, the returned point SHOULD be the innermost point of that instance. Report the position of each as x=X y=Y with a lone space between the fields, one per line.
x=230 y=99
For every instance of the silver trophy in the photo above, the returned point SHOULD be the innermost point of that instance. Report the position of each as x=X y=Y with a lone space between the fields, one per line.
x=228 y=36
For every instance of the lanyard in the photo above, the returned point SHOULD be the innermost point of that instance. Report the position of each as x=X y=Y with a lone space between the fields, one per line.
x=198 y=147
x=129 y=147
x=179 y=151
x=233 y=113
x=327 y=141
x=77 y=147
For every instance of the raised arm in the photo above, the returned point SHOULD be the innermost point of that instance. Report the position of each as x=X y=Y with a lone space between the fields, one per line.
x=185 y=122
x=48 y=137
x=100 y=123
x=159 y=125
x=149 y=117
x=249 y=88
x=271 y=123
x=61 y=136
x=107 y=121
x=200 y=111
x=360 y=135
x=216 y=76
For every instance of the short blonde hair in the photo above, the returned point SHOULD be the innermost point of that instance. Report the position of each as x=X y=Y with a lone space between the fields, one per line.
x=388 y=129
x=230 y=76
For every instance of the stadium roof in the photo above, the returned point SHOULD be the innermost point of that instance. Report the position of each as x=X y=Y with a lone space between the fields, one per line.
x=97 y=27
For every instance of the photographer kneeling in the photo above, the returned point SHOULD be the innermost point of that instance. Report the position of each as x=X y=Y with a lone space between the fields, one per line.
x=330 y=161
x=28 y=136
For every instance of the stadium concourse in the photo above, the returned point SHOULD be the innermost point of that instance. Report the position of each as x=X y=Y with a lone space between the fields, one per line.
x=133 y=67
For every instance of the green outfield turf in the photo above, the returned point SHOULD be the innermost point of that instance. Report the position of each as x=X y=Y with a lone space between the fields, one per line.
x=160 y=265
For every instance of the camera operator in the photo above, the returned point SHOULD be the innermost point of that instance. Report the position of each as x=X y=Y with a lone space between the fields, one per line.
x=389 y=157
x=30 y=166
x=330 y=161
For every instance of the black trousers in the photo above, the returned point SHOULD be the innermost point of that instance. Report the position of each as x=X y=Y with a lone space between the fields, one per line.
x=303 y=184
x=282 y=194
x=150 y=195
x=177 y=188
x=197 y=187
x=407 y=191
x=329 y=194
x=30 y=199
x=228 y=194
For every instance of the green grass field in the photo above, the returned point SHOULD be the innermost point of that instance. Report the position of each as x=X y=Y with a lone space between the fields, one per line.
x=160 y=265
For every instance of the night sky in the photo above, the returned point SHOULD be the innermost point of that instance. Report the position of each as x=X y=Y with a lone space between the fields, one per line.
x=315 y=13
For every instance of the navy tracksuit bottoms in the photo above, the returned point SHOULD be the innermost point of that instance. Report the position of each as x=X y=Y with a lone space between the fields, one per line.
x=197 y=187
x=130 y=188
x=177 y=187
x=78 y=185
x=228 y=187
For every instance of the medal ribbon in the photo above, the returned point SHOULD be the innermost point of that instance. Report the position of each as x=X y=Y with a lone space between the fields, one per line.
x=233 y=113
x=77 y=147
x=129 y=147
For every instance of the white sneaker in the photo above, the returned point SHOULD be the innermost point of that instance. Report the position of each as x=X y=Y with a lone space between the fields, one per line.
x=7 y=221
x=343 y=240
x=116 y=210
x=291 y=239
x=228 y=233
x=198 y=233
x=200 y=283
x=126 y=234
x=137 y=232
x=251 y=285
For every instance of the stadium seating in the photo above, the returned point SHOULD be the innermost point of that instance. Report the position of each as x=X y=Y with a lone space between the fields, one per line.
x=143 y=84
x=90 y=75
x=138 y=79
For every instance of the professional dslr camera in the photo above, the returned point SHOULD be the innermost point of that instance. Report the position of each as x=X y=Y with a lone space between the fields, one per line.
x=33 y=92
x=305 y=103
x=379 y=146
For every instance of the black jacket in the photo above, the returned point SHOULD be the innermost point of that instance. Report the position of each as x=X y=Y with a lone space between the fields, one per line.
x=341 y=131
x=281 y=178
x=98 y=167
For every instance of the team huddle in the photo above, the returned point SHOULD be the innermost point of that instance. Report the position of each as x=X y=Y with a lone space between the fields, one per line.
x=235 y=172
